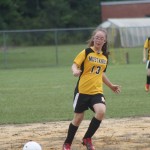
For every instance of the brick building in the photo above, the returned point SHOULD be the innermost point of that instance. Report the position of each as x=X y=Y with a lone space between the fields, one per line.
x=125 y=9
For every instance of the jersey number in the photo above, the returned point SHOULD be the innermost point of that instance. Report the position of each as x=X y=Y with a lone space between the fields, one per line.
x=96 y=69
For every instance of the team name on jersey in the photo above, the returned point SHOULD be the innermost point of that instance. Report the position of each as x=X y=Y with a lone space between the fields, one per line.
x=95 y=59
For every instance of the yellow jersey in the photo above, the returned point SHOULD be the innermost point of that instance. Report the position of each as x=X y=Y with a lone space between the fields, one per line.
x=92 y=66
x=147 y=46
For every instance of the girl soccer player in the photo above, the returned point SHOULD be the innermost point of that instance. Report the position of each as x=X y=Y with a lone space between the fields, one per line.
x=90 y=66
x=146 y=50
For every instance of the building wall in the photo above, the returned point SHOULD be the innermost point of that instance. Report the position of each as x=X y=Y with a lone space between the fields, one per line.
x=126 y=9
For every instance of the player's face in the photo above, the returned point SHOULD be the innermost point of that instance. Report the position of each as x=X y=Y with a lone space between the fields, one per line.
x=99 y=39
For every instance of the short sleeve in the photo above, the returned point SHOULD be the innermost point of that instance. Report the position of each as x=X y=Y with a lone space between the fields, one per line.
x=80 y=58
x=105 y=69
x=146 y=44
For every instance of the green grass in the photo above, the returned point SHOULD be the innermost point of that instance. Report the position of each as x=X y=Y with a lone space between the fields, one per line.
x=62 y=55
x=119 y=55
x=133 y=100
x=38 y=56
x=46 y=94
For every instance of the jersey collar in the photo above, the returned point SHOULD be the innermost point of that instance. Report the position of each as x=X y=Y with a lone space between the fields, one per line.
x=95 y=50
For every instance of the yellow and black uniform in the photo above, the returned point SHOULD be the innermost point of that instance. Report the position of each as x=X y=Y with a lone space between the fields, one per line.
x=90 y=84
x=147 y=46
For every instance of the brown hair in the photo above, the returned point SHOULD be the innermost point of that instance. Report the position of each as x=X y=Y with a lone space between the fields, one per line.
x=105 y=46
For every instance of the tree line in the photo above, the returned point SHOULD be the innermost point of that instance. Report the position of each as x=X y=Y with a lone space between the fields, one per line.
x=41 y=14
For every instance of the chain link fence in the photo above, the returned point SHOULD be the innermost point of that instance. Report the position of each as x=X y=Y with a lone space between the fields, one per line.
x=36 y=48
x=52 y=47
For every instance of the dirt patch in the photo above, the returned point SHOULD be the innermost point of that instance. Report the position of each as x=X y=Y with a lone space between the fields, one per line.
x=114 y=134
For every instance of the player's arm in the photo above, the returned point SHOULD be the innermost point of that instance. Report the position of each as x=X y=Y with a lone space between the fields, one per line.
x=144 y=54
x=75 y=70
x=145 y=50
x=77 y=63
x=114 y=88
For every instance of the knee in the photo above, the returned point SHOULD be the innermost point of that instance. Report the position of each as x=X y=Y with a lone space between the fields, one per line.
x=77 y=120
x=100 y=110
x=148 y=72
x=100 y=115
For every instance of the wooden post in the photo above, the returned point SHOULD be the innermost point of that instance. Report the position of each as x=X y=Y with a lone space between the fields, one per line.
x=127 y=57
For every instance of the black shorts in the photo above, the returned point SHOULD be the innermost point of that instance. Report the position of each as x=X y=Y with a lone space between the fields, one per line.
x=83 y=102
x=148 y=64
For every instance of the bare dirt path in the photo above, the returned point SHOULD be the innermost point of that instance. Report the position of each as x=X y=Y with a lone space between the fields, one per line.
x=114 y=134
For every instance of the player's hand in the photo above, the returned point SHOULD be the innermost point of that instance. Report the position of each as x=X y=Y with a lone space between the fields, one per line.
x=116 y=88
x=77 y=72
x=144 y=60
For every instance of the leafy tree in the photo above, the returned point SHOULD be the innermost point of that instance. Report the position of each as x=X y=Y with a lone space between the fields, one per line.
x=37 y=14
x=8 y=14
x=85 y=13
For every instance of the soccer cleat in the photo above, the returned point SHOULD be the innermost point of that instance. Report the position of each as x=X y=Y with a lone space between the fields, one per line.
x=88 y=143
x=146 y=87
x=66 y=146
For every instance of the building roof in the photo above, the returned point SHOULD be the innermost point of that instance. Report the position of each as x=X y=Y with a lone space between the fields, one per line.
x=128 y=22
x=129 y=32
x=125 y=2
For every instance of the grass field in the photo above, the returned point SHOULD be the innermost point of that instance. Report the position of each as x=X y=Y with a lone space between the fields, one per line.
x=62 y=55
x=46 y=94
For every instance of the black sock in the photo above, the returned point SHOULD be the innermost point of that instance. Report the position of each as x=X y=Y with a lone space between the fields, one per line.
x=71 y=133
x=94 y=125
x=148 y=79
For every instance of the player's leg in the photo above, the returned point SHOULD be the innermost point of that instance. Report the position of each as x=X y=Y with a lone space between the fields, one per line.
x=79 y=108
x=73 y=127
x=147 y=86
x=148 y=79
x=99 y=109
x=96 y=120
